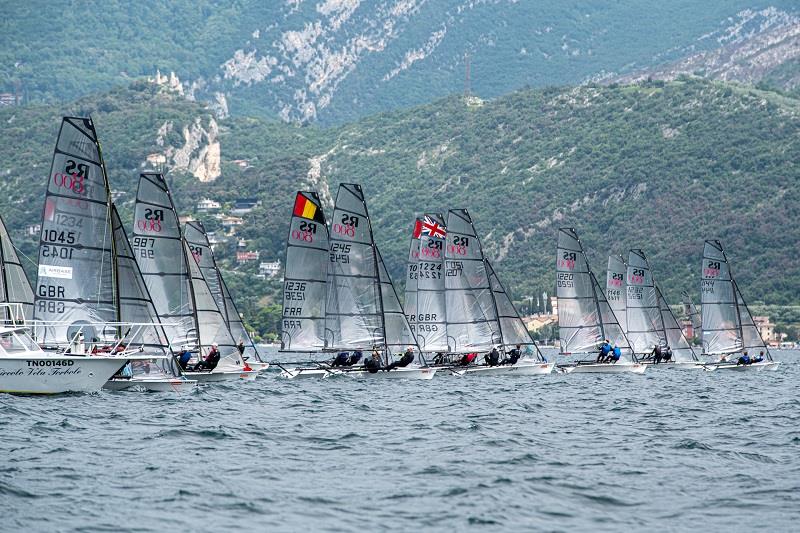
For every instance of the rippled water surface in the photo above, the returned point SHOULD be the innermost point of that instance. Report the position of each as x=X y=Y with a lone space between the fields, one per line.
x=671 y=450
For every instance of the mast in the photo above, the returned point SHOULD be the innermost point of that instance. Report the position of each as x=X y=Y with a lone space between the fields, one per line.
x=510 y=313
x=114 y=270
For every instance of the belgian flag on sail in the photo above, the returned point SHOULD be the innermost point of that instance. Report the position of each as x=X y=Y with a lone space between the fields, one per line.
x=309 y=208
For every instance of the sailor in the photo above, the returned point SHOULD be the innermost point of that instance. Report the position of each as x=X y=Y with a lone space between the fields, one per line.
x=492 y=358
x=438 y=358
x=615 y=354
x=373 y=364
x=467 y=359
x=355 y=357
x=211 y=361
x=605 y=351
x=184 y=357
x=667 y=353
x=405 y=360
x=759 y=358
x=513 y=356
x=240 y=347
x=744 y=359
x=657 y=355
x=341 y=359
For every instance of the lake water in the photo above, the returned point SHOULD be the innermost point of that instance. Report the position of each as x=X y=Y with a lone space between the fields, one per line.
x=670 y=450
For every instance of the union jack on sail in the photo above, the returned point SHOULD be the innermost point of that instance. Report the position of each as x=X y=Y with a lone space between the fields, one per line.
x=432 y=228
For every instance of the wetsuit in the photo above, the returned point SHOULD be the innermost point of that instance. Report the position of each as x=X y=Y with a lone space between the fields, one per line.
x=757 y=359
x=513 y=357
x=667 y=354
x=407 y=359
x=744 y=360
x=373 y=364
x=183 y=360
x=492 y=358
x=341 y=359
x=657 y=355
x=355 y=357
x=211 y=361
x=615 y=355
x=467 y=358
x=605 y=350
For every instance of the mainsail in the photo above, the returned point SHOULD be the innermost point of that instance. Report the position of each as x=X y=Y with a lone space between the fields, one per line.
x=692 y=314
x=196 y=236
x=645 y=327
x=354 y=307
x=512 y=329
x=396 y=325
x=722 y=328
x=616 y=290
x=579 y=326
x=304 y=285
x=76 y=277
x=15 y=288
x=210 y=322
x=412 y=269
x=585 y=317
x=158 y=248
x=681 y=348
x=471 y=316
x=431 y=320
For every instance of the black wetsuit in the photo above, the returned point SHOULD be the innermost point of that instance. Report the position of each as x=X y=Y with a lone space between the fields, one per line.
x=355 y=357
x=492 y=358
x=372 y=365
x=667 y=354
x=407 y=359
x=341 y=359
x=657 y=355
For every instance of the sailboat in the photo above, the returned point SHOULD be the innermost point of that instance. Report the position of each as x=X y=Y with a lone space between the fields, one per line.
x=197 y=238
x=142 y=328
x=585 y=317
x=362 y=311
x=649 y=319
x=479 y=314
x=180 y=293
x=16 y=294
x=728 y=325
x=76 y=309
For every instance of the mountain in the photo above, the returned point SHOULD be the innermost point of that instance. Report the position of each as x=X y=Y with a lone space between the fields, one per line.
x=657 y=165
x=333 y=61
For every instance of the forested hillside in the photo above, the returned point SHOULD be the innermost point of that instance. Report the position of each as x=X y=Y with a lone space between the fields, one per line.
x=334 y=61
x=659 y=166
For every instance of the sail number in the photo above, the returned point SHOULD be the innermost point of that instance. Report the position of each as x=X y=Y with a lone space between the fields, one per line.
x=635 y=293
x=565 y=279
x=294 y=291
x=63 y=237
x=49 y=306
x=430 y=270
x=143 y=247
x=340 y=253
x=413 y=272
x=56 y=252
x=70 y=221
x=50 y=291
x=453 y=268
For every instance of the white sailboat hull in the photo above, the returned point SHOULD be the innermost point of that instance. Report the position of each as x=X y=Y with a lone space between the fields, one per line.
x=54 y=374
x=258 y=366
x=163 y=384
x=603 y=368
x=753 y=367
x=397 y=373
x=227 y=375
x=688 y=365
x=527 y=368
